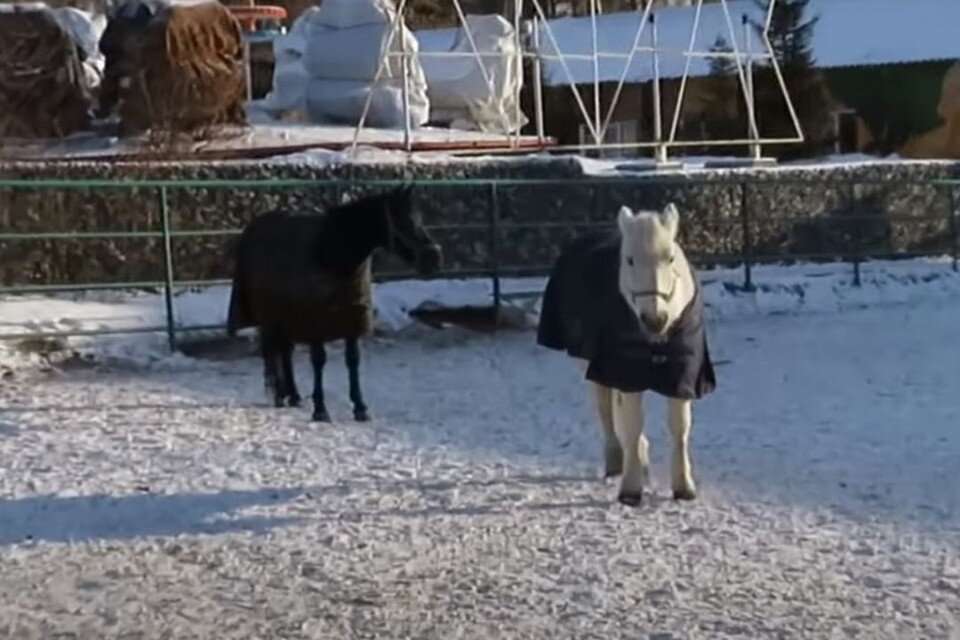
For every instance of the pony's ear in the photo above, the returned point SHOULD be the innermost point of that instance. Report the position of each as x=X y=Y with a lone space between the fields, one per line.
x=624 y=217
x=671 y=219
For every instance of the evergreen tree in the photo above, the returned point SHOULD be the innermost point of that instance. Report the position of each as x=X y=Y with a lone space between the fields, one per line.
x=791 y=39
x=722 y=66
x=722 y=115
x=790 y=33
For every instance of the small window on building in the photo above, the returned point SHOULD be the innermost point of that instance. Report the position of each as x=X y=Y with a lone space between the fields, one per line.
x=846 y=131
x=618 y=133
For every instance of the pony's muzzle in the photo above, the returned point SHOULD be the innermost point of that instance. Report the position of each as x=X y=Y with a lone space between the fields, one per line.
x=656 y=323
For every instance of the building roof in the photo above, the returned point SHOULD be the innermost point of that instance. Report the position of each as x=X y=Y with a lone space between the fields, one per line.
x=848 y=33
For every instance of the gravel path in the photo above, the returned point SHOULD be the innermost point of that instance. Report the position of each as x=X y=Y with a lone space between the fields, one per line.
x=168 y=502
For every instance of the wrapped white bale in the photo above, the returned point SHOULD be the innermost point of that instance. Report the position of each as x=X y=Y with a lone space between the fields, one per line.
x=338 y=47
x=458 y=89
x=342 y=101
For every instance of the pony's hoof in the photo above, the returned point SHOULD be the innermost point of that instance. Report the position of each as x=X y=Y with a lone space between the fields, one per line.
x=684 y=494
x=630 y=499
x=321 y=416
x=361 y=415
x=294 y=401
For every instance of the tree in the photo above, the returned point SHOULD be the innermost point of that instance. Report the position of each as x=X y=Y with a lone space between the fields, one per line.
x=790 y=36
x=721 y=112
x=791 y=39
x=721 y=66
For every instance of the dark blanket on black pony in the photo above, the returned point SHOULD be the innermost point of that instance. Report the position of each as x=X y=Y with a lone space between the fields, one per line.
x=584 y=315
x=281 y=283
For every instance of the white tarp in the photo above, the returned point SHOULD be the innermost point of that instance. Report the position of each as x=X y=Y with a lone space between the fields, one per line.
x=85 y=29
x=325 y=67
x=470 y=96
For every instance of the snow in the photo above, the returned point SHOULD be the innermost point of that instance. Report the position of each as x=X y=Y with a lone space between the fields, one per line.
x=803 y=290
x=694 y=165
x=140 y=501
x=839 y=39
x=262 y=133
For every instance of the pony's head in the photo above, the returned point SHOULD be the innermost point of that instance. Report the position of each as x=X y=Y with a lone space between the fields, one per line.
x=653 y=270
x=406 y=235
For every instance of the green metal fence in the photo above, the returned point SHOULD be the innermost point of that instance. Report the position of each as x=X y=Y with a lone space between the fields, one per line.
x=494 y=225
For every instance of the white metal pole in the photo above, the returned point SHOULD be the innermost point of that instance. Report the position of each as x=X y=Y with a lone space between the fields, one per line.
x=598 y=135
x=537 y=83
x=384 y=61
x=661 y=149
x=405 y=66
x=518 y=67
x=753 y=130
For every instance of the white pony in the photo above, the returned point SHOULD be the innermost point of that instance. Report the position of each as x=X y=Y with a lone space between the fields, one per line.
x=656 y=341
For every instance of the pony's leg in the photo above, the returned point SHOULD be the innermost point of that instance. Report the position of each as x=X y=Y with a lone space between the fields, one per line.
x=272 y=369
x=612 y=453
x=318 y=358
x=628 y=425
x=290 y=392
x=680 y=419
x=360 y=412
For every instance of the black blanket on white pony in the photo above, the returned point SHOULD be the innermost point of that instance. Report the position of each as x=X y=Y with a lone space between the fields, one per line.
x=584 y=314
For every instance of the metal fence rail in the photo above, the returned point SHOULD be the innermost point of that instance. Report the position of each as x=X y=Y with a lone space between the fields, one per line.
x=494 y=226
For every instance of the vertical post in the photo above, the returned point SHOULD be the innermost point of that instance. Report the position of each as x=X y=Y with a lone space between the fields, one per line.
x=755 y=150
x=856 y=235
x=954 y=227
x=598 y=133
x=167 y=268
x=405 y=65
x=537 y=82
x=247 y=72
x=518 y=69
x=494 y=248
x=747 y=243
x=661 y=150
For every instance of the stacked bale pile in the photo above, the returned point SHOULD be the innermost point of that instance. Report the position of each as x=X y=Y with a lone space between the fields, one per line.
x=327 y=67
x=174 y=66
x=44 y=90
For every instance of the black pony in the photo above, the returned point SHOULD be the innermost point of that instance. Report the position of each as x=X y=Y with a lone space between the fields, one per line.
x=305 y=279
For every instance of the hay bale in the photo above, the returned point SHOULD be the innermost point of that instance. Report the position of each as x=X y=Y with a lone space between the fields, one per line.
x=44 y=89
x=174 y=67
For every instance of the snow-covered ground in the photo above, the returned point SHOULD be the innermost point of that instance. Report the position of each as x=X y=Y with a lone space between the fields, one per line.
x=802 y=289
x=168 y=501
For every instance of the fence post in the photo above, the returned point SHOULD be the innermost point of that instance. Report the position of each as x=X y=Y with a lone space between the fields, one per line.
x=954 y=227
x=494 y=248
x=747 y=244
x=857 y=233
x=167 y=267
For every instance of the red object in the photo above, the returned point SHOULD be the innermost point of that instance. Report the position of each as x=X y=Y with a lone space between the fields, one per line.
x=248 y=15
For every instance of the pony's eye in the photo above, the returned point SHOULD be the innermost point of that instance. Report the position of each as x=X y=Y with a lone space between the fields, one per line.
x=630 y=261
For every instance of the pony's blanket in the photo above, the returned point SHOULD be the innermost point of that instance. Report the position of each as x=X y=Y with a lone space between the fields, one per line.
x=584 y=314
x=178 y=66
x=279 y=286
x=44 y=89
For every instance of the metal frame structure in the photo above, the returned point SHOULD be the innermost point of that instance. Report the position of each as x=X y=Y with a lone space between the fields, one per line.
x=494 y=226
x=597 y=119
